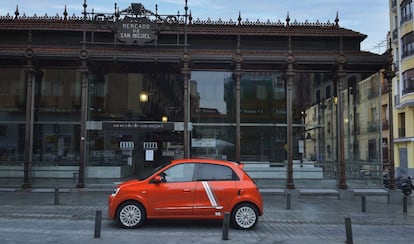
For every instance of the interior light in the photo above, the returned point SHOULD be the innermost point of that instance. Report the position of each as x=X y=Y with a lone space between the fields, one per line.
x=143 y=97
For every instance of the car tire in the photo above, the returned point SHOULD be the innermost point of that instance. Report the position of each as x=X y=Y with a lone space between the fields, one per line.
x=244 y=216
x=131 y=215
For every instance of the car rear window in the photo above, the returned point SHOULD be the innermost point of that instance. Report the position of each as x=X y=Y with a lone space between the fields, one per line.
x=215 y=172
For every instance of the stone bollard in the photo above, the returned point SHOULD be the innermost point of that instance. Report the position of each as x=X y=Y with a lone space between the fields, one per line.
x=288 y=200
x=98 y=223
x=226 y=224
x=56 y=196
x=348 y=230
x=363 y=204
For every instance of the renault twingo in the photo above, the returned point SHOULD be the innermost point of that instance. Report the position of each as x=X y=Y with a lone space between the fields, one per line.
x=188 y=189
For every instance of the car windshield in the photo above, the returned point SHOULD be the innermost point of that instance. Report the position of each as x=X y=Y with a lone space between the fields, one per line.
x=147 y=173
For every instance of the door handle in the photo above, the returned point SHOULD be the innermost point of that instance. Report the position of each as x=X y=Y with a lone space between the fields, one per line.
x=187 y=190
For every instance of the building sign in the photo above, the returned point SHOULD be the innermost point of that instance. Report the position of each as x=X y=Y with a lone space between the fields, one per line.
x=136 y=30
x=149 y=126
x=204 y=142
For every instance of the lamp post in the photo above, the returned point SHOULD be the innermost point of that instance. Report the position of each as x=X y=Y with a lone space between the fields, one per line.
x=83 y=70
x=186 y=58
x=321 y=131
x=340 y=123
x=389 y=74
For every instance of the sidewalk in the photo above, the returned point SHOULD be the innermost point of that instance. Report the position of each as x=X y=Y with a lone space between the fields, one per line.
x=307 y=218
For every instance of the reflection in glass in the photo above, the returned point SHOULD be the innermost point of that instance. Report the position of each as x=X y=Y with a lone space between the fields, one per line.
x=211 y=96
x=136 y=97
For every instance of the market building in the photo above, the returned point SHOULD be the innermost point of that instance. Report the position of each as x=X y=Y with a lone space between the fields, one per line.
x=106 y=96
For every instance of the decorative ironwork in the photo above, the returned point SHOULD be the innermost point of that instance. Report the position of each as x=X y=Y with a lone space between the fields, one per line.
x=137 y=10
x=135 y=24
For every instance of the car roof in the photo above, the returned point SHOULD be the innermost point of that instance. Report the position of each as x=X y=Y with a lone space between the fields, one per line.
x=203 y=160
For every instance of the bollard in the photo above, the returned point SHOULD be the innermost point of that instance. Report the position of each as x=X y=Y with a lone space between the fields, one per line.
x=348 y=230
x=226 y=224
x=56 y=196
x=288 y=201
x=75 y=178
x=98 y=223
x=363 y=204
x=405 y=204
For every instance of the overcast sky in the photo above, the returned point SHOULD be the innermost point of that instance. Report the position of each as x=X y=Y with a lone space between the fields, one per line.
x=369 y=17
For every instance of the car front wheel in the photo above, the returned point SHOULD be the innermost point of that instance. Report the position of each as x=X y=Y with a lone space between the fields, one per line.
x=244 y=216
x=131 y=215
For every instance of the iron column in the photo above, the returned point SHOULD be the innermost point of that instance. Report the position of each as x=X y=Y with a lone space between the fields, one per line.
x=290 y=59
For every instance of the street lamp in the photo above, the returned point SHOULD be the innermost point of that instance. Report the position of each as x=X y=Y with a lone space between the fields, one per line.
x=303 y=153
x=143 y=97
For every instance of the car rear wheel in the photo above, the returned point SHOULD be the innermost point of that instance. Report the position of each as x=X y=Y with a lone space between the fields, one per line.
x=131 y=215
x=244 y=216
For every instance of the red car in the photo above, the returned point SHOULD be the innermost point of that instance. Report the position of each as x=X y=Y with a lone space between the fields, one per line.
x=188 y=189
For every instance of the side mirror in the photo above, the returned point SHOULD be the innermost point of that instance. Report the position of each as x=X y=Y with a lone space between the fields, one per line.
x=157 y=179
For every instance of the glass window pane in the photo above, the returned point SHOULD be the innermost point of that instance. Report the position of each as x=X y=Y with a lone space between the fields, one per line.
x=11 y=144
x=211 y=172
x=179 y=173
x=211 y=96
x=213 y=141
x=136 y=97
x=56 y=144
x=58 y=91
x=12 y=94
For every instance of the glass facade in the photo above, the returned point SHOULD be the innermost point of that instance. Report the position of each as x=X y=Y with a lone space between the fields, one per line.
x=56 y=117
x=12 y=115
x=212 y=113
x=135 y=121
x=297 y=106
x=137 y=113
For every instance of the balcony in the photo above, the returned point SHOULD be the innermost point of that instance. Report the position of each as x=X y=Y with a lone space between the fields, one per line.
x=407 y=53
x=393 y=4
x=373 y=93
x=397 y=99
x=396 y=67
x=372 y=126
x=384 y=88
x=407 y=90
x=395 y=34
x=406 y=18
x=385 y=125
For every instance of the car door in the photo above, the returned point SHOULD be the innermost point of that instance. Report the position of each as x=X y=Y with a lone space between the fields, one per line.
x=215 y=190
x=174 y=196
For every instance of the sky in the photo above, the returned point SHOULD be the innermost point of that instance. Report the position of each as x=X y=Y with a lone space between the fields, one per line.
x=369 y=17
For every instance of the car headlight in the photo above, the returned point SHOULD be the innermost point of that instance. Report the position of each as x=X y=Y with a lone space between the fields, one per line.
x=116 y=190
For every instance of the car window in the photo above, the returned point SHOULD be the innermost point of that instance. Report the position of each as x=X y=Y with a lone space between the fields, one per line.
x=214 y=172
x=179 y=173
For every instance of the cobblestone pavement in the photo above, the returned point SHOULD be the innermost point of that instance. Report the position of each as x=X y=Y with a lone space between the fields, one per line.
x=31 y=216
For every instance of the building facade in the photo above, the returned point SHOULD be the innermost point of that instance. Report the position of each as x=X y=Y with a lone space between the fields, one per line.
x=401 y=36
x=107 y=96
